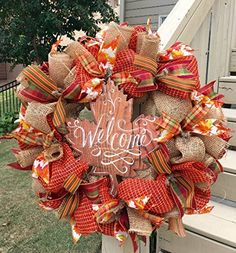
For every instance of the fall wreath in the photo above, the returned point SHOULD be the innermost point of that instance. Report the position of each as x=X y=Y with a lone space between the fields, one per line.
x=119 y=136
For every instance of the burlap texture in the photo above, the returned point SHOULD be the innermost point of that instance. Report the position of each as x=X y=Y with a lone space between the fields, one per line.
x=73 y=110
x=53 y=153
x=208 y=160
x=36 y=115
x=150 y=47
x=26 y=157
x=215 y=113
x=176 y=108
x=138 y=224
x=172 y=150
x=214 y=145
x=134 y=37
x=140 y=38
x=148 y=173
x=59 y=67
x=191 y=149
x=70 y=77
x=149 y=108
x=75 y=49
x=124 y=33
x=37 y=187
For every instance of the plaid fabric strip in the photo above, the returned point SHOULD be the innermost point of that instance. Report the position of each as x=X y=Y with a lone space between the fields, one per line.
x=47 y=139
x=196 y=114
x=169 y=127
x=191 y=65
x=123 y=77
x=127 y=82
x=90 y=64
x=159 y=161
x=107 y=211
x=37 y=79
x=145 y=63
x=208 y=89
x=174 y=82
x=68 y=205
x=72 y=183
x=35 y=138
x=186 y=187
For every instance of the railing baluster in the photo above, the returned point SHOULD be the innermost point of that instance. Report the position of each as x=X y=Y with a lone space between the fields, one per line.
x=8 y=100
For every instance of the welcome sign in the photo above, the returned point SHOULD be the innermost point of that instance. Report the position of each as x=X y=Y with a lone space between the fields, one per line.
x=113 y=144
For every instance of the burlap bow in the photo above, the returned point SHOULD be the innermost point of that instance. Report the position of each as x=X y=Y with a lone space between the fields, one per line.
x=194 y=121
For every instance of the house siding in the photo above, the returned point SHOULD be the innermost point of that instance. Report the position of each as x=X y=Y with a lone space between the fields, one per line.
x=136 y=12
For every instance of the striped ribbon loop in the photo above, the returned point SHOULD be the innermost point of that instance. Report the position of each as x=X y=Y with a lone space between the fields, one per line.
x=38 y=82
x=145 y=63
x=68 y=205
x=182 y=191
x=72 y=183
x=159 y=161
x=59 y=116
x=177 y=77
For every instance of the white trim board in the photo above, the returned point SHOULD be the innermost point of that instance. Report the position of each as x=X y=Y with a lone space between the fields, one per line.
x=184 y=21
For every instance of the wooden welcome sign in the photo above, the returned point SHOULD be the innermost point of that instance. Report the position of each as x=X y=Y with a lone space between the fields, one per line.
x=113 y=144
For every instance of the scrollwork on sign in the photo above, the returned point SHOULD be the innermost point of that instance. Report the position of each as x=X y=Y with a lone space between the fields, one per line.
x=113 y=144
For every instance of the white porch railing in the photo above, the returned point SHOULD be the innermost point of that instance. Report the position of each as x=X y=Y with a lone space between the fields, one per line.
x=184 y=21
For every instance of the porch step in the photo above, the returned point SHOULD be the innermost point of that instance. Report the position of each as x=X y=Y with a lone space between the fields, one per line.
x=230 y=115
x=225 y=187
x=206 y=233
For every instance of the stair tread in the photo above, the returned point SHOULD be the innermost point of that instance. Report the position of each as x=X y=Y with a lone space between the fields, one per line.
x=219 y=225
x=230 y=114
x=228 y=78
x=229 y=161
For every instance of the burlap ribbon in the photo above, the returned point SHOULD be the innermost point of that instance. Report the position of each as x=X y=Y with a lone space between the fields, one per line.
x=194 y=122
x=40 y=87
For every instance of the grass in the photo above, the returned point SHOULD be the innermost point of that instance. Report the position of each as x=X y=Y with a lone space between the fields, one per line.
x=26 y=228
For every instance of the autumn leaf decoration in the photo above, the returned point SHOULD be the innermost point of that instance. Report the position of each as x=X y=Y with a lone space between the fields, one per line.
x=113 y=144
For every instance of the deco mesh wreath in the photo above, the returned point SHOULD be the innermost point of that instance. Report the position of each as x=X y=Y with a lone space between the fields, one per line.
x=107 y=167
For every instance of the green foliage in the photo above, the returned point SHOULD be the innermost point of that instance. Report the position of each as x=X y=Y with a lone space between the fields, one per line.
x=7 y=122
x=29 y=28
